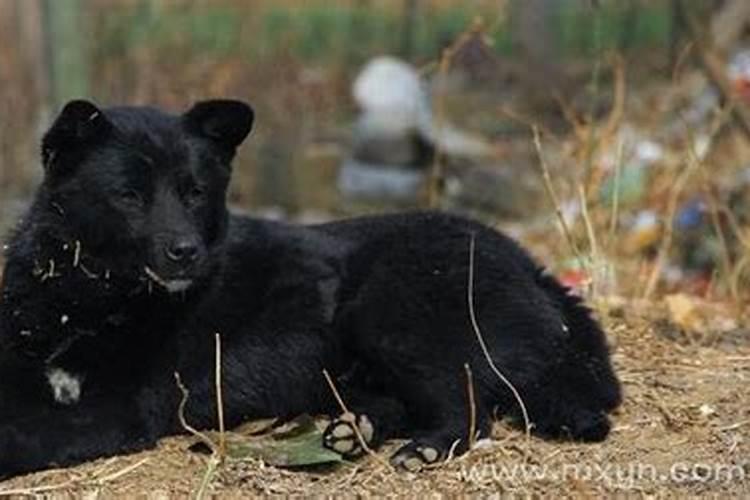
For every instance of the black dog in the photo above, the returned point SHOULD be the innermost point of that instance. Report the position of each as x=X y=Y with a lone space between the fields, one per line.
x=128 y=263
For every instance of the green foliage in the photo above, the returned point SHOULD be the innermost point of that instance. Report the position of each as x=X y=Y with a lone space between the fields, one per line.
x=351 y=33
x=584 y=32
x=438 y=29
x=69 y=68
x=210 y=29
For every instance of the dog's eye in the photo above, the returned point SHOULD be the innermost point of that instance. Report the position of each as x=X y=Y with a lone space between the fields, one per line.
x=130 y=197
x=195 y=195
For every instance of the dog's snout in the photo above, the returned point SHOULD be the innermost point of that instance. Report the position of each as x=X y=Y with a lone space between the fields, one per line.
x=183 y=250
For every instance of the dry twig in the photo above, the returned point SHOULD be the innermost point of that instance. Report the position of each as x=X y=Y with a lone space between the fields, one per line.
x=472 y=406
x=355 y=427
x=485 y=350
x=435 y=188
x=220 y=401
x=716 y=70
x=555 y=200
x=215 y=458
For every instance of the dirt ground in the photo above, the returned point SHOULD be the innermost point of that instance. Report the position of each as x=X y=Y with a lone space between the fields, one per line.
x=684 y=428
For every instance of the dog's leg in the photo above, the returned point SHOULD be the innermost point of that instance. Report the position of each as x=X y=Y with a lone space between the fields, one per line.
x=443 y=415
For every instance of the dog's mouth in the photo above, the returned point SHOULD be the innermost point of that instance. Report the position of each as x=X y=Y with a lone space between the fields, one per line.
x=171 y=285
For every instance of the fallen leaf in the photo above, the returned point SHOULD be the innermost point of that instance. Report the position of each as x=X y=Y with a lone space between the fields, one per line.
x=295 y=444
x=695 y=315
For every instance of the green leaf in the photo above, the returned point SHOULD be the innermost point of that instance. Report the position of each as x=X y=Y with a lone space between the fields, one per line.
x=299 y=444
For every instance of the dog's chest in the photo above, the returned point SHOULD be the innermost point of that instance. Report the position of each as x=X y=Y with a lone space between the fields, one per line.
x=75 y=363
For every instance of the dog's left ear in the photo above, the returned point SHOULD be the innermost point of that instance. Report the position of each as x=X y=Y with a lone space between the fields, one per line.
x=225 y=121
x=79 y=124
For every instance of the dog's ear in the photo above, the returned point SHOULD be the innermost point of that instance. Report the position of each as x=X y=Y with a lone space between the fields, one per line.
x=79 y=123
x=225 y=121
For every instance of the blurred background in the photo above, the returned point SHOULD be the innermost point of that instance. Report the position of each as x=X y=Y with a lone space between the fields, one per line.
x=640 y=167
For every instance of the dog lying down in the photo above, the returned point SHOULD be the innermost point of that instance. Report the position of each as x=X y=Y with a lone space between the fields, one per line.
x=128 y=263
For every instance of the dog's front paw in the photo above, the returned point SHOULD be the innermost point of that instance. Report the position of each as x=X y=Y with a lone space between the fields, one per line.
x=415 y=455
x=341 y=435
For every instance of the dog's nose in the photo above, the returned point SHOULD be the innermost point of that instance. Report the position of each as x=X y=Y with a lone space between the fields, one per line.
x=182 y=250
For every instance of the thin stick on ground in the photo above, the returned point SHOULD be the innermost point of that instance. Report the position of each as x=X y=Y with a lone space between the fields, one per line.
x=76 y=482
x=220 y=401
x=213 y=464
x=122 y=472
x=36 y=490
x=181 y=415
x=345 y=410
x=483 y=345
x=215 y=459
x=472 y=406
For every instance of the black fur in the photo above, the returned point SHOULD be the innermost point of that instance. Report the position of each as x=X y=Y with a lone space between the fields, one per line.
x=128 y=263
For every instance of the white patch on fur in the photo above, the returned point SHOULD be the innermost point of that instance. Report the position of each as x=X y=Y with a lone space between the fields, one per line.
x=66 y=387
x=176 y=286
x=172 y=286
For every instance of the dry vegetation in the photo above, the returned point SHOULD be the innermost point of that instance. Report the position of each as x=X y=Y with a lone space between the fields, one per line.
x=684 y=359
x=683 y=429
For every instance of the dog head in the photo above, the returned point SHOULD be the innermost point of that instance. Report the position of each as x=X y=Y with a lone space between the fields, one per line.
x=142 y=191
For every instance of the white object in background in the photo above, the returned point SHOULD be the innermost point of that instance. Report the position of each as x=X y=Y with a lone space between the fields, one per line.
x=392 y=90
x=395 y=103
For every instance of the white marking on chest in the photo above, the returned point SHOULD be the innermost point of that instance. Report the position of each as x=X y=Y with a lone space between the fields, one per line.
x=176 y=286
x=66 y=387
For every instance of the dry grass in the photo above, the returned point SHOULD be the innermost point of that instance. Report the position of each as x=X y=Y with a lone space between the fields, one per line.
x=685 y=405
x=685 y=400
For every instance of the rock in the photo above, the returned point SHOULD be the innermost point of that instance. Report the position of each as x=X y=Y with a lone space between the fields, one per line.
x=378 y=181
x=396 y=137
